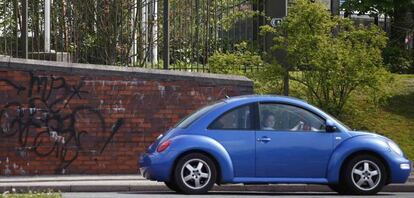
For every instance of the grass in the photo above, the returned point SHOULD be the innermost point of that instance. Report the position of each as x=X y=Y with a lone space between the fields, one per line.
x=47 y=194
x=394 y=118
x=32 y=195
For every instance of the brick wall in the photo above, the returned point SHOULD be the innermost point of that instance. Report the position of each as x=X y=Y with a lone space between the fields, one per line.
x=59 y=118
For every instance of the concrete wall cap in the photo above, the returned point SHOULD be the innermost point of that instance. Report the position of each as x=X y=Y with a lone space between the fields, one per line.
x=77 y=68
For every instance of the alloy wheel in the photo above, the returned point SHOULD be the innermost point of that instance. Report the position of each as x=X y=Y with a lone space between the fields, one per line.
x=366 y=175
x=195 y=174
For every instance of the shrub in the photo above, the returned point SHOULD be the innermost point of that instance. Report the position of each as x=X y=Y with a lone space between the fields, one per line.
x=334 y=57
x=244 y=62
x=398 y=59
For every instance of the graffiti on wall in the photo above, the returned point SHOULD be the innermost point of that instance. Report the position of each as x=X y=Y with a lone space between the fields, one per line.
x=45 y=121
x=90 y=124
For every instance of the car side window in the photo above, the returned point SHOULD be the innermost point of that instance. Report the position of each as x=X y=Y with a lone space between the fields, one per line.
x=239 y=118
x=283 y=117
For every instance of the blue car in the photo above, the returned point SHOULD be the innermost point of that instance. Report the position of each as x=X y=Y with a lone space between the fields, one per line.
x=271 y=139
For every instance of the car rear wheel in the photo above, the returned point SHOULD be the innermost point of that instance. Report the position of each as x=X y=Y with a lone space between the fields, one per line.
x=364 y=175
x=195 y=173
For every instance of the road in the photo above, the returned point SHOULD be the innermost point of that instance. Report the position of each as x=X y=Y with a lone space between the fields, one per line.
x=169 y=194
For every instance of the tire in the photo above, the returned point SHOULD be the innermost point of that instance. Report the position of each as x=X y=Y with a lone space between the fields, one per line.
x=172 y=186
x=363 y=175
x=195 y=167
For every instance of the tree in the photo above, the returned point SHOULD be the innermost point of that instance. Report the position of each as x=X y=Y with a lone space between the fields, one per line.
x=373 y=8
x=398 y=10
x=330 y=55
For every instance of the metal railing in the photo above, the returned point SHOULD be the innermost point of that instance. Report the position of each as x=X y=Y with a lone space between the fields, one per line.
x=127 y=32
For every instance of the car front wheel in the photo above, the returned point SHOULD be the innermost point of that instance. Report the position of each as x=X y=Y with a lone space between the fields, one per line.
x=195 y=173
x=337 y=188
x=364 y=175
x=172 y=186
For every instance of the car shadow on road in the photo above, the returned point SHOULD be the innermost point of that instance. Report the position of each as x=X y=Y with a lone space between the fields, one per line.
x=251 y=193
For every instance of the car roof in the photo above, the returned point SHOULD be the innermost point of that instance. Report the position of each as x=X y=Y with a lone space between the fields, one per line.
x=233 y=102
x=264 y=98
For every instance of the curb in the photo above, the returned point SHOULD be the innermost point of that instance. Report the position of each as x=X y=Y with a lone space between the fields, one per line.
x=131 y=183
x=161 y=187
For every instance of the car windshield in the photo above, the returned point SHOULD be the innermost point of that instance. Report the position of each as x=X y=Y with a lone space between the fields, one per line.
x=184 y=123
x=336 y=120
x=341 y=123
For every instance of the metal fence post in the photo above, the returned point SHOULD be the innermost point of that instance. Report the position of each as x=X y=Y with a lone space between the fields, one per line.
x=23 y=34
x=166 y=35
x=47 y=25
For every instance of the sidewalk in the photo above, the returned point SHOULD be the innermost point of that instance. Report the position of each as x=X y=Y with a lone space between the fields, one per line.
x=116 y=183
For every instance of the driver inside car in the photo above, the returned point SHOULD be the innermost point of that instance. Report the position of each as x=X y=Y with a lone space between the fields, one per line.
x=268 y=121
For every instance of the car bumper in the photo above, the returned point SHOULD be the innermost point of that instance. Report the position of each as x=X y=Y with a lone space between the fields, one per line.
x=400 y=170
x=156 y=166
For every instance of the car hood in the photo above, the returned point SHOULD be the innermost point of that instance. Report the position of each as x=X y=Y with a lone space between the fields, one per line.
x=360 y=133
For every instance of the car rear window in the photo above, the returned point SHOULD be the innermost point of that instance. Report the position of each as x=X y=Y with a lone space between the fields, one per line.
x=184 y=123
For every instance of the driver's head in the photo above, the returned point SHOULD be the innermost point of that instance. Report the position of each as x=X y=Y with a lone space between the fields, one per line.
x=268 y=119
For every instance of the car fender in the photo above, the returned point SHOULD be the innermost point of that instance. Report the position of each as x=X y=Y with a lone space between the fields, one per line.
x=350 y=146
x=185 y=143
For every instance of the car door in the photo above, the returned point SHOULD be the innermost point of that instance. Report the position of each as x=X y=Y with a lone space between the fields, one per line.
x=234 y=130
x=291 y=142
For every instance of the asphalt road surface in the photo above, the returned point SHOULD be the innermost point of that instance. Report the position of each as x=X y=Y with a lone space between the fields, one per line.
x=219 y=194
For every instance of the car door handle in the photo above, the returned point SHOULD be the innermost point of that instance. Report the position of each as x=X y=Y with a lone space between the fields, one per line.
x=264 y=139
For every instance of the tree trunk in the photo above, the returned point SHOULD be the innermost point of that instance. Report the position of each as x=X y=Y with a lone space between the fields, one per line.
x=286 y=82
x=400 y=24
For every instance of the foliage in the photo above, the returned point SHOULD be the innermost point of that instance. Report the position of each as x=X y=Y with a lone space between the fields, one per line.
x=393 y=117
x=239 y=62
x=228 y=21
x=123 y=32
x=375 y=7
x=205 y=28
x=31 y=194
x=245 y=62
x=199 y=28
x=9 y=26
x=335 y=57
x=369 y=6
x=398 y=60
x=268 y=80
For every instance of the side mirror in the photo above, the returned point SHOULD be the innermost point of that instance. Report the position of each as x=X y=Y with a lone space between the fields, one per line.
x=330 y=126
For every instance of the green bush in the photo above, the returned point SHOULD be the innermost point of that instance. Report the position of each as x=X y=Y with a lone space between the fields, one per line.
x=331 y=56
x=240 y=62
x=398 y=60
x=243 y=61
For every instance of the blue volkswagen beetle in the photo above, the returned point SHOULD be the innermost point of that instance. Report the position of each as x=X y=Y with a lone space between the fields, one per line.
x=271 y=139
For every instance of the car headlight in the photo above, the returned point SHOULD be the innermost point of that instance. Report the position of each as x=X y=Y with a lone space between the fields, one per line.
x=394 y=147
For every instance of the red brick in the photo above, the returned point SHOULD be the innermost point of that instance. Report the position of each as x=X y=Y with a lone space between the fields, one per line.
x=121 y=99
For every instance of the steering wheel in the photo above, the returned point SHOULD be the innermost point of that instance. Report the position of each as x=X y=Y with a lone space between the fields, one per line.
x=302 y=126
